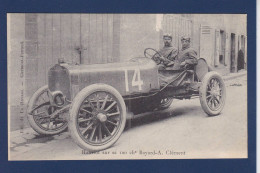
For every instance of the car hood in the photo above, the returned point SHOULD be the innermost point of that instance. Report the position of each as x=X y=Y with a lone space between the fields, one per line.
x=142 y=62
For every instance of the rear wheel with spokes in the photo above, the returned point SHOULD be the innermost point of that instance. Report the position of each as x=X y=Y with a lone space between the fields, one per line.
x=97 y=117
x=212 y=93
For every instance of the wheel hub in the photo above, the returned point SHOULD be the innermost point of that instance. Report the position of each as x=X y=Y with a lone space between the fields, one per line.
x=214 y=92
x=101 y=117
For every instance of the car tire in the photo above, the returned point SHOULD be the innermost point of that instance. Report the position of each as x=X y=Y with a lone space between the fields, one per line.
x=165 y=103
x=91 y=123
x=33 y=119
x=212 y=93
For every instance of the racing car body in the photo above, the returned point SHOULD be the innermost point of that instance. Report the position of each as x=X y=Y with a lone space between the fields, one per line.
x=128 y=78
x=94 y=100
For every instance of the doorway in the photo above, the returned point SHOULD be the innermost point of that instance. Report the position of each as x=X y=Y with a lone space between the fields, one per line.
x=222 y=47
x=232 y=53
x=241 y=54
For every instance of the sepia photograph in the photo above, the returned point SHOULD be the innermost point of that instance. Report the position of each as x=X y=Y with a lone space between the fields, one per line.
x=104 y=86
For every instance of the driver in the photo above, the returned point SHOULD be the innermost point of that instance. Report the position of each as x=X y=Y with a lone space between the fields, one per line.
x=168 y=52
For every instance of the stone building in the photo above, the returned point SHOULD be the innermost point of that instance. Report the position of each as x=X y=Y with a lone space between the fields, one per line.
x=217 y=37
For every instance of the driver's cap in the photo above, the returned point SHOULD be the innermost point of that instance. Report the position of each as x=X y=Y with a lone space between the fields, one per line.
x=185 y=38
x=167 y=35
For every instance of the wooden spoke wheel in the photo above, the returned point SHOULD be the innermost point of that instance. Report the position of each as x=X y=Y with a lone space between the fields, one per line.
x=39 y=114
x=212 y=93
x=97 y=117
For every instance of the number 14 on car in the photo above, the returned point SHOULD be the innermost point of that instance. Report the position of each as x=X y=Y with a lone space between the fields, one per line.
x=136 y=80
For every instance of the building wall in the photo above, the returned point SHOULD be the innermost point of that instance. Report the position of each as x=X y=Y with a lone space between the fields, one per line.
x=137 y=32
x=77 y=38
x=207 y=44
x=230 y=24
x=16 y=53
x=16 y=69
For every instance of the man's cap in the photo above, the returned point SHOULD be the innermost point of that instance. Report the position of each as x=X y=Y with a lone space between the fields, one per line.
x=185 y=38
x=167 y=35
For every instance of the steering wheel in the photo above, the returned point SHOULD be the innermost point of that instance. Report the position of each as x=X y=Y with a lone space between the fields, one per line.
x=156 y=55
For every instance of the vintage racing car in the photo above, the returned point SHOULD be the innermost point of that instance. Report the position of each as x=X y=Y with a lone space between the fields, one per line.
x=94 y=100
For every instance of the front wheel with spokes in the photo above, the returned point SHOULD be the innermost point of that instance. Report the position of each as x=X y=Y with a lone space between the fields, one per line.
x=97 y=117
x=39 y=114
x=212 y=93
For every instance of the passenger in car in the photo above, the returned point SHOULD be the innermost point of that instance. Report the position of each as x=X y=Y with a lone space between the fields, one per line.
x=187 y=55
